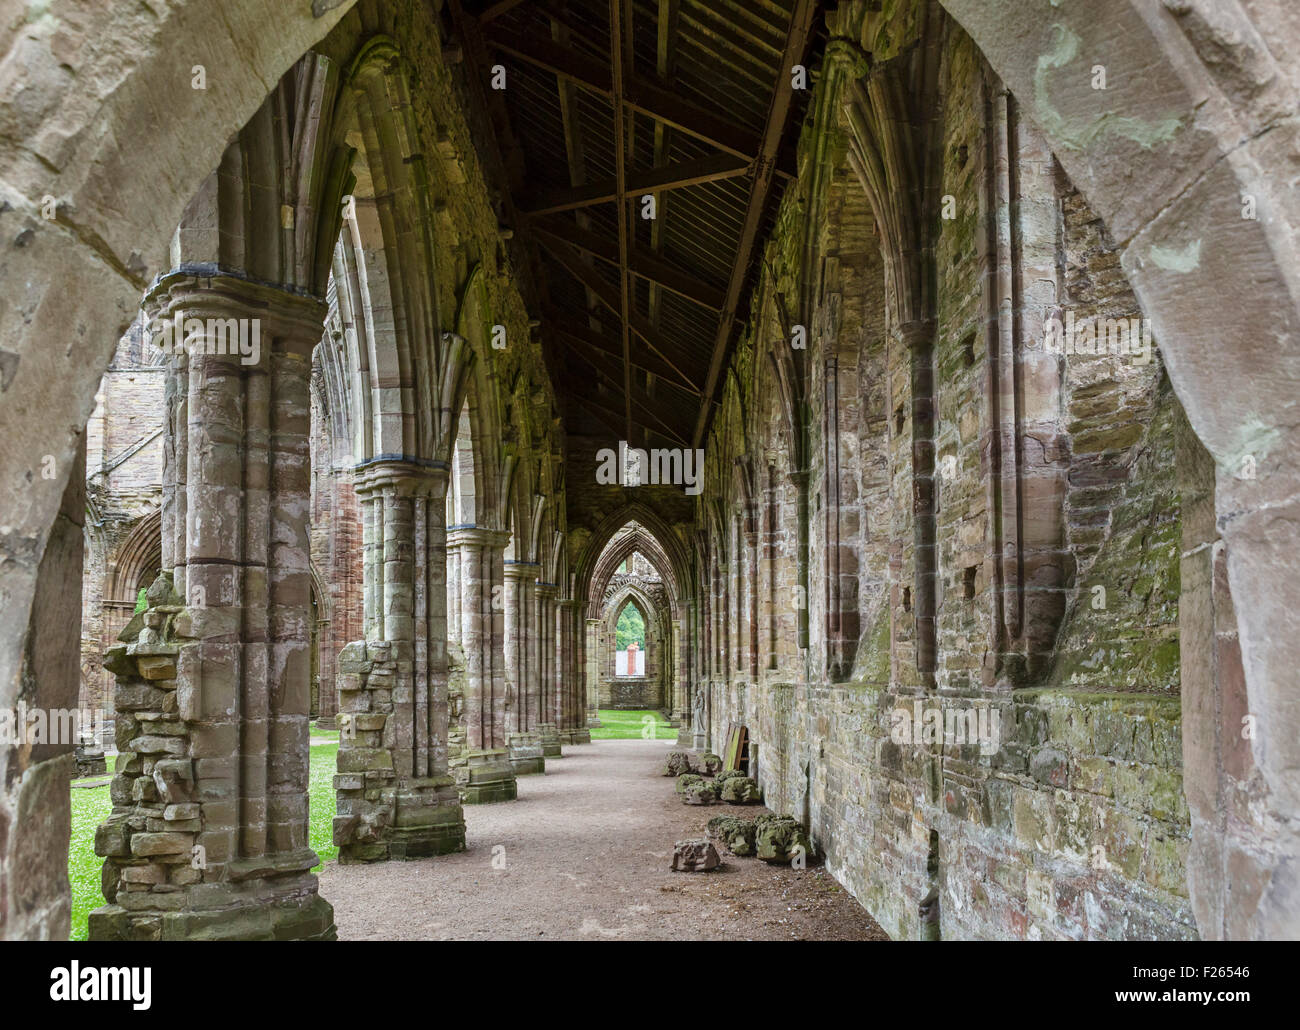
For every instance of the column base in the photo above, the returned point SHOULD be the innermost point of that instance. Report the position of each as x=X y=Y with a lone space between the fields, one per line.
x=593 y=719
x=550 y=740
x=255 y=909
x=326 y=722
x=419 y=819
x=526 y=754
x=580 y=735
x=489 y=778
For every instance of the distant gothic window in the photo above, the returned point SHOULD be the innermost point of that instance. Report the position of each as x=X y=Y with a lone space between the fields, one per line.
x=629 y=642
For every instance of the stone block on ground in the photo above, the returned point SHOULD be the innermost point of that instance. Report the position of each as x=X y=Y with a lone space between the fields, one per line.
x=678 y=762
x=694 y=856
x=739 y=790
x=736 y=835
x=709 y=763
x=778 y=838
x=700 y=792
x=687 y=780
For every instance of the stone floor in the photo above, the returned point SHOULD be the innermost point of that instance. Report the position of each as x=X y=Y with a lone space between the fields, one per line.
x=586 y=852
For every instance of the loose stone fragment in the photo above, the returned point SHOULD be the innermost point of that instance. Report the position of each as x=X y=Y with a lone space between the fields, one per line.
x=703 y=792
x=687 y=780
x=694 y=856
x=737 y=835
x=778 y=838
x=740 y=790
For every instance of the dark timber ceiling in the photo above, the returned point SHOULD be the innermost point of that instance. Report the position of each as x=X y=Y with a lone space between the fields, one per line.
x=639 y=314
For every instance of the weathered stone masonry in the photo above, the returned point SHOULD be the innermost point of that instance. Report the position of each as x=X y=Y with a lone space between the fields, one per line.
x=922 y=510
x=1018 y=481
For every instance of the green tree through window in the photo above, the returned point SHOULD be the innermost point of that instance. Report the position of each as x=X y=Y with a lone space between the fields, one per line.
x=631 y=626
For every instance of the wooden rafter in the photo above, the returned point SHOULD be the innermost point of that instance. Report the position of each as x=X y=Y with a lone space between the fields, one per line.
x=647 y=362
x=496 y=10
x=663 y=428
x=665 y=66
x=643 y=263
x=620 y=175
x=640 y=94
x=759 y=193
x=636 y=359
x=712 y=168
x=608 y=295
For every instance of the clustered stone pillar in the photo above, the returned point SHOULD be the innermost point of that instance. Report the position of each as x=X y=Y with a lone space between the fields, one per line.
x=592 y=677
x=524 y=741
x=396 y=798
x=207 y=837
x=694 y=732
x=681 y=711
x=345 y=578
x=569 y=698
x=548 y=712
x=487 y=774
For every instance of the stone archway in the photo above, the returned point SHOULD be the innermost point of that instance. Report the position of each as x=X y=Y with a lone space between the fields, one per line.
x=92 y=117
x=1180 y=154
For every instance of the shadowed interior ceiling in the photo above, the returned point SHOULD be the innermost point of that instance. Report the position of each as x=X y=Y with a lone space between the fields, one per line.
x=607 y=104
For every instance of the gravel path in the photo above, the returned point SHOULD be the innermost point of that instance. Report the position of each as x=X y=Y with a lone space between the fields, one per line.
x=586 y=850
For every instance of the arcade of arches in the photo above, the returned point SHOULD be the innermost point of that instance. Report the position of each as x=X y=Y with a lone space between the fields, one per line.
x=959 y=338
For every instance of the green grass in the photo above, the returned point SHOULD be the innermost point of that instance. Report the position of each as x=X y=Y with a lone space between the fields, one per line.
x=91 y=806
x=631 y=725
x=320 y=798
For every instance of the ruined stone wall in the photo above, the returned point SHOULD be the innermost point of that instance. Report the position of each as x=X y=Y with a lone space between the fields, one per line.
x=123 y=489
x=1074 y=824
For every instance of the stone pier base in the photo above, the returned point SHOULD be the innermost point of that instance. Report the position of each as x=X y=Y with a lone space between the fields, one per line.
x=489 y=777
x=550 y=741
x=526 y=754
x=418 y=819
x=250 y=907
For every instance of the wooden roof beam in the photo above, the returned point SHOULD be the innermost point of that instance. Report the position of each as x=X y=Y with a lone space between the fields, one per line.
x=645 y=264
x=641 y=94
x=646 y=362
x=607 y=293
x=662 y=427
x=796 y=44
x=620 y=174
x=712 y=168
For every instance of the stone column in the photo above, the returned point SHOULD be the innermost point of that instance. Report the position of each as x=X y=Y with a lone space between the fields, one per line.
x=700 y=693
x=592 y=677
x=396 y=798
x=548 y=710
x=524 y=741
x=572 y=700
x=453 y=596
x=345 y=587
x=693 y=657
x=208 y=833
x=487 y=775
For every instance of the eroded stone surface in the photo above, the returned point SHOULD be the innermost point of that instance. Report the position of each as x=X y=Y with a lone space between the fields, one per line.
x=694 y=856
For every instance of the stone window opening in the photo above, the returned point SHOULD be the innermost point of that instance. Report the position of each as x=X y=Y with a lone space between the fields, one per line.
x=631 y=646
